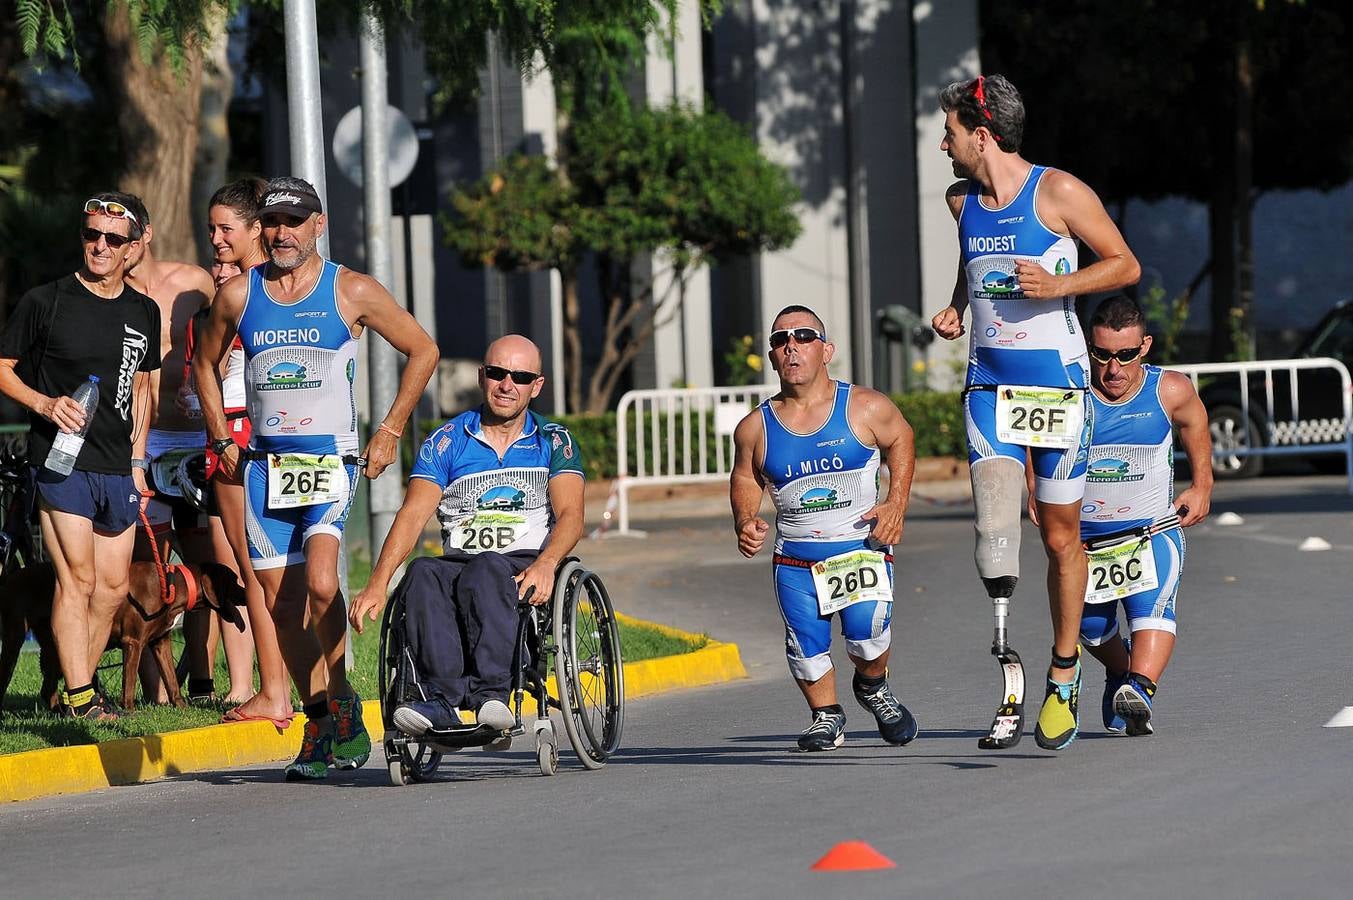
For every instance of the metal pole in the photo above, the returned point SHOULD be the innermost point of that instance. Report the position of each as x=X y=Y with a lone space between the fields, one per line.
x=304 y=111
x=857 y=208
x=381 y=357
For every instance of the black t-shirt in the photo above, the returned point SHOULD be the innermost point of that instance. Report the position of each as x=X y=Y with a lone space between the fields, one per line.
x=61 y=333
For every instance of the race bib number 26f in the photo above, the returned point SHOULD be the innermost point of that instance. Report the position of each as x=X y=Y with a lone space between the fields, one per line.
x=1039 y=416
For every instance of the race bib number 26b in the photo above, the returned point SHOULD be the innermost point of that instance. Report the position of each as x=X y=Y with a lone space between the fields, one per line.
x=849 y=578
x=1039 y=416
x=304 y=479
x=488 y=531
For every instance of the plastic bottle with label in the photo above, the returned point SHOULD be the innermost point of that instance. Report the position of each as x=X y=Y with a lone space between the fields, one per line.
x=66 y=448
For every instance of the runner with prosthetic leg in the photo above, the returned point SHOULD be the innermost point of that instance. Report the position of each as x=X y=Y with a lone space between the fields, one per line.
x=1024 y=398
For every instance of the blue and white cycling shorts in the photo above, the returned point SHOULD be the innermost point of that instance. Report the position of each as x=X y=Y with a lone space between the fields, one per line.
x=1150 y=610
x=808 y=633
x=277 y=536
x=1060 y=471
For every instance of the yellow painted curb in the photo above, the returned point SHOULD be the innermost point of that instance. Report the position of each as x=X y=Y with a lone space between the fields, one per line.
x=88 y=767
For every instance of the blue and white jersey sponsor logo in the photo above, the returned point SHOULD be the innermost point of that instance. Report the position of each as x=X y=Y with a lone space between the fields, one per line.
x=502 y=497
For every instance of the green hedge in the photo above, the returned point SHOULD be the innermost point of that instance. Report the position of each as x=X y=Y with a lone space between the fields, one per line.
x=937 y=419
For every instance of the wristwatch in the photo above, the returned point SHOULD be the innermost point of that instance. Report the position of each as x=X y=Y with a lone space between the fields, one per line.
x=139 y=463
x=220 y=445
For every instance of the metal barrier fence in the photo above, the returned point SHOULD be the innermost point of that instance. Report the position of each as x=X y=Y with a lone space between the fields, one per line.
x=1308 y=411
x=678 y=436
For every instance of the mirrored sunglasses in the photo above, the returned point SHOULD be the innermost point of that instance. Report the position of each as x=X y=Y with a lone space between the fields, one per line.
x=518 y=376
x=781 y=336
x=94 y=206
x=1124 y=356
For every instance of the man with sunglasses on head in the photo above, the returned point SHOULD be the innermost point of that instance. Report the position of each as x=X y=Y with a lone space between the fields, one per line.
x=1130 y=520
x=299 y=317
x=1018 y=228
x=507 y=488
x=91 y=323
x=817 y=445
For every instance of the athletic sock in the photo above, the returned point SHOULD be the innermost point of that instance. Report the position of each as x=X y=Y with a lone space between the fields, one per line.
x=1064 y=662
x=866 y=684
x=200 y=687
x=1146 y=684
x=834 y=708
x=317 y=710
x=80 y=699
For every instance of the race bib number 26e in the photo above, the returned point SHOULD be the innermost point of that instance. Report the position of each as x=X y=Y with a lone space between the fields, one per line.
x=304 y=479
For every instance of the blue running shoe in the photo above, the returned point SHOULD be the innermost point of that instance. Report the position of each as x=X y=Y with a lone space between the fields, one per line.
x=1113 y=723
x=421 y=716
x=1132 y=701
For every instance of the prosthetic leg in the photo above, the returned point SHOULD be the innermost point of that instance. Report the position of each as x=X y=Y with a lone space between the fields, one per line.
x=1008 y=726
x=998 y=488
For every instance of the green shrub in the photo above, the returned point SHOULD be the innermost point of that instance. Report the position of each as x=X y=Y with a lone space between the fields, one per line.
x=937 y=419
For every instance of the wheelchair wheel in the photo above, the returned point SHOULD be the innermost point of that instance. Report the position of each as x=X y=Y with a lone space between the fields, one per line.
x=587 y=665
x=405 y=761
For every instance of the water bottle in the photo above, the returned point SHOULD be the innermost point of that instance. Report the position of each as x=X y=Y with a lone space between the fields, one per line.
x=66 y=448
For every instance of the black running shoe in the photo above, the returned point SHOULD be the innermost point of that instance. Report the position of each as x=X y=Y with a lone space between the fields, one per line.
x=895 y=721
x=827 y=732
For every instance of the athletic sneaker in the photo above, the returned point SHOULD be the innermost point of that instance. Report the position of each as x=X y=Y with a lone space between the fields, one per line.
x=316 y=756
x=1113 y=723
x=1132 y=701
x=1059 y=719
x=895 y=721
x=98 y=711
x=827 y=732
x=352 y=744
x=496 y=715
x=421 y=716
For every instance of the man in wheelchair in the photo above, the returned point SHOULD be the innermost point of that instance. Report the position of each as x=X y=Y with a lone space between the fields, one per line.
x=507 y=487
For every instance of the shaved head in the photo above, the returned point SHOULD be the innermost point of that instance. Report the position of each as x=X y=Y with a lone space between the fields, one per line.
x=513 y=351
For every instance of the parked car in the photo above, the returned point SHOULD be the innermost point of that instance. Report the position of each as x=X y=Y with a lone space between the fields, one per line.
x=1319 y=397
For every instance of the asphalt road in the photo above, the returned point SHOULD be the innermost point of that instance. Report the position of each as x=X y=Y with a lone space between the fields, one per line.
x=1241 y=792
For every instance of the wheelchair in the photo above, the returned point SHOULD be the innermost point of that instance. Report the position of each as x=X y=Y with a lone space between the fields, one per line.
x=575 y=634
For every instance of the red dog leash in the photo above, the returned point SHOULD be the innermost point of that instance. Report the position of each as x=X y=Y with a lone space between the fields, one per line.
x=167 y=587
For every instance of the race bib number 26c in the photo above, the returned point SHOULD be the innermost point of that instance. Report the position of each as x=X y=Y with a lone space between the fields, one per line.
x=1039 y=416
x=305 y=479
x=849 y=578
x=1121 y=570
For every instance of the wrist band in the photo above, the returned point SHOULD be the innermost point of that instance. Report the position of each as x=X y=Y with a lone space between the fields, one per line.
x=388 y=430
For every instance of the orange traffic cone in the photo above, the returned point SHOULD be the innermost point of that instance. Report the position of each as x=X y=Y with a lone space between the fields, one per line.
x=853 y=856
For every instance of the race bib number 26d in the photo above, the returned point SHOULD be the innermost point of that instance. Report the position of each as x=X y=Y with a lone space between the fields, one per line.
x=849 y=578
x=1039 y=416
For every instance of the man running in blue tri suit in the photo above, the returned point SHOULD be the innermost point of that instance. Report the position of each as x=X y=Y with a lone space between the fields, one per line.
x=507 y=488
x=1018 y=225
x=1130 y=518
x=817 y=445
x=299 y=317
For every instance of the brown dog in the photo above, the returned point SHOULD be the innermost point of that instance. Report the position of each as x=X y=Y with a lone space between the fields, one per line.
x=142 y=622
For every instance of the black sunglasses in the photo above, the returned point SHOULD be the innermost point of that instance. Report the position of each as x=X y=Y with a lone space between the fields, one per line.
x=498 y=373
x=801 y=336
x=1124 y=356
x=92 y=235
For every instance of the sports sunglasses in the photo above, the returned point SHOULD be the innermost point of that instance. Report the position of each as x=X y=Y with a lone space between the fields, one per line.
x=115 y=240
x=801 y=336
x=94 y=206
x=1124 y=356
x=519 y=376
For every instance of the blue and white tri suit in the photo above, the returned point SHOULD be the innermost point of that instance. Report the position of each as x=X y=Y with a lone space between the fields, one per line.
x=300 y=366
x=821 y=483
x=1130 y=484
x=1020 y=341
x=460 y=609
